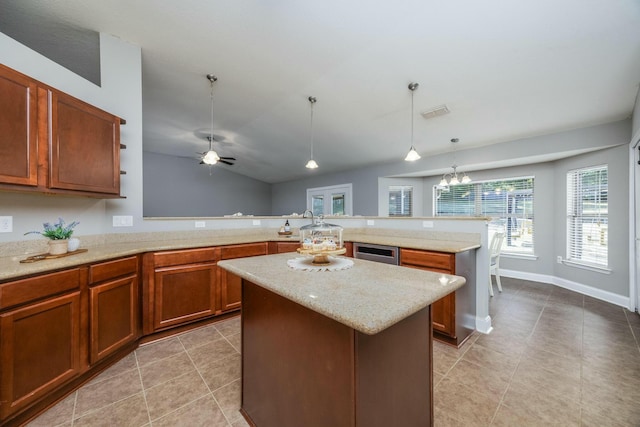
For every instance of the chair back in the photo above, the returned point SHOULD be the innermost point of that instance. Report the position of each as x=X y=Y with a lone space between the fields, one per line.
x=496 y=245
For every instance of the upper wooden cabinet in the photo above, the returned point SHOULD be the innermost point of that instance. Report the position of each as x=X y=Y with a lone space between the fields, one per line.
x=54 y=143
x=19 y=124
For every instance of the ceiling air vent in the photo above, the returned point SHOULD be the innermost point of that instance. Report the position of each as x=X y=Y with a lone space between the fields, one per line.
x=440 y=110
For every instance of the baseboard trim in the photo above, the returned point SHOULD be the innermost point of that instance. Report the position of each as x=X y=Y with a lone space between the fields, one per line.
x=610 y=297
x=484 y=325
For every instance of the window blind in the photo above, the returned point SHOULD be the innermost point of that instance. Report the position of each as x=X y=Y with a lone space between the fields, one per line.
x=587 y=216
x=400 y=200
x=509 y=202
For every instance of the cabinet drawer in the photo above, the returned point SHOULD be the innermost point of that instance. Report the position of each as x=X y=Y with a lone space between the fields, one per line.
x=182 y=257
x=34 y=288
x=436 y=260
x=245 y=250
x=112 y=269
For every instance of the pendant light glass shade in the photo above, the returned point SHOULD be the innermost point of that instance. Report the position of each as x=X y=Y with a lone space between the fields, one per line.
x=412 y=155
x=311 y=164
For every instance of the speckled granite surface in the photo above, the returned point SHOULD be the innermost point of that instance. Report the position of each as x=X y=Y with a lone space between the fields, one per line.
x=368 y=297
x=111 y=246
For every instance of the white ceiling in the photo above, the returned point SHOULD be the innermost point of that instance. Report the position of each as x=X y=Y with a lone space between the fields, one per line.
x=506 y=69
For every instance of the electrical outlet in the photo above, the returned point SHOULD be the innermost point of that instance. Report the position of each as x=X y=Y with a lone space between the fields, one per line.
x=559 y=259
x=6 y=224
x=122 y=221
x=371 y=222
x=427 y=224
x=200 y=224
x=256 y=222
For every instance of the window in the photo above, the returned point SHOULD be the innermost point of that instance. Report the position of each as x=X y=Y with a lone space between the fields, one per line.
x=400 y=200
x=333 y=200
x=509 y=202
x=587 y=216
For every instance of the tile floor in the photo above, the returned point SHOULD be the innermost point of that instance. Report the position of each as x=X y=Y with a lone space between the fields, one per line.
x=555 y=357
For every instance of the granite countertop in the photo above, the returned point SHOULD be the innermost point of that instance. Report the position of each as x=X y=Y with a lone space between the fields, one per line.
x=368 y=297
x=115 y=246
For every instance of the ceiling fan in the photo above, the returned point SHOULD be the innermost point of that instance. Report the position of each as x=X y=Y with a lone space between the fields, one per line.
x=211 y=157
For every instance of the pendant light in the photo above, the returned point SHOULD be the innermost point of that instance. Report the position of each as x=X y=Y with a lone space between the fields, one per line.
x=211 y=157
x=453 y=177
x=412 y=155
x=311 y=164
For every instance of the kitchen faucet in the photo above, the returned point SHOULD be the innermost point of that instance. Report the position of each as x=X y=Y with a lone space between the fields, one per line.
x=304 y=215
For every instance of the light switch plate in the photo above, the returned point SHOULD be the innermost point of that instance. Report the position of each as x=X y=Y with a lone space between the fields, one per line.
x=427 y=224
x=371 y=222
x=6 y=224
x=200 y=224
x=122 y=221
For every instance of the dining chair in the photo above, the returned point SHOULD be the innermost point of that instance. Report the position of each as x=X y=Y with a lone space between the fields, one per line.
x=494 y=260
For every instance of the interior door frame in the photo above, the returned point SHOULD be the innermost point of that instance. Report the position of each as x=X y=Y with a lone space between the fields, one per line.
x=634 y=223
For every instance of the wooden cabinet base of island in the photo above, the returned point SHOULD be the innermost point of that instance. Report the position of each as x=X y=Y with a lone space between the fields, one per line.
x=300 y=368
x=454 y=316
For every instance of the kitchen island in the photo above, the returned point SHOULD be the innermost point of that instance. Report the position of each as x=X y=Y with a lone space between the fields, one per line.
x=340 y=348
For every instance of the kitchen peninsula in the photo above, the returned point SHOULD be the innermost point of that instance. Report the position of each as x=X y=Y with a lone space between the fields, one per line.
x=343 y=348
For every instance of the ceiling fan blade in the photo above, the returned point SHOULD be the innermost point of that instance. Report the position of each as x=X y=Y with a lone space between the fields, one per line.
x=228 y=158
x=225 y=162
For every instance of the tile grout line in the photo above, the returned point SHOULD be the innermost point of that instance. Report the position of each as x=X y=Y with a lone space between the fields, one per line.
x=144 y=391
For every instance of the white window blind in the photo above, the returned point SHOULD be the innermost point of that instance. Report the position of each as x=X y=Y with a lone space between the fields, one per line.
x=400 y=200
x=587 y=216
x=509 y=202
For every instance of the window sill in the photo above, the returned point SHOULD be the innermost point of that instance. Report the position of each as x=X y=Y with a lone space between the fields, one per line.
x=529 y=257
x=603 y=270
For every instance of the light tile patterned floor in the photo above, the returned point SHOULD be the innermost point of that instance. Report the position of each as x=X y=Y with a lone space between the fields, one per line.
x=555 y=358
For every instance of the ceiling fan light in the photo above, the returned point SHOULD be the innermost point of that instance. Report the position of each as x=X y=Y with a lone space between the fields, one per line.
x=211 y=158
x=311 y=164
x=412 y=155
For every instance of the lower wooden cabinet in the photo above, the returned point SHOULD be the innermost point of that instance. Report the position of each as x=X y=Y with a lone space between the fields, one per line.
x=181 y=287
x=230 y=284
x=40 y=350
x=113 y=307
x=282 y=247
x=453 y=316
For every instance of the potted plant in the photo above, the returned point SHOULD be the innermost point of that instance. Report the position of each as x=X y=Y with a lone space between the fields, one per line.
x=58 y=235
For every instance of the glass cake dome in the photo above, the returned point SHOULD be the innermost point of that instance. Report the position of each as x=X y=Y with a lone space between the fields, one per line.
x=321 y=236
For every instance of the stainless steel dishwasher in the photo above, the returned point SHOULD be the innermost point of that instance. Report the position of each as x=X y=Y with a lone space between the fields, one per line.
x=377 y=253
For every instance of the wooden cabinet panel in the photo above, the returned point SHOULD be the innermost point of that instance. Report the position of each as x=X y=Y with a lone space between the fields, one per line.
x=113 y=306
x=185 y=256
x=230 y=284
x=184 y=294
x=112 y=269
x=19 y=124
x=282 y=247
x=114 y=314
x=26 y=290
x=243 y=250
x=85 y=147
x=443 y=311
x=39 y=350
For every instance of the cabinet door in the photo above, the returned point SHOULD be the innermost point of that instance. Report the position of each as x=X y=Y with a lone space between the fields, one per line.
x=40 y=350
x=114 y=314
x=85 y=147
x=183 y=294
x=19 y=135
x=230 y=291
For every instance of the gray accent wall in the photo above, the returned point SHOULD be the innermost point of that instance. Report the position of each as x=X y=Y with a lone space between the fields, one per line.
x=180 y=187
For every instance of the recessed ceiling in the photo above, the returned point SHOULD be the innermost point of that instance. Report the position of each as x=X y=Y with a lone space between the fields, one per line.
x=505 y=69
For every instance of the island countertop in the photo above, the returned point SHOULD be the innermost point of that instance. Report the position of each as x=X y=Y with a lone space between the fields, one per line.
x=368 y=297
